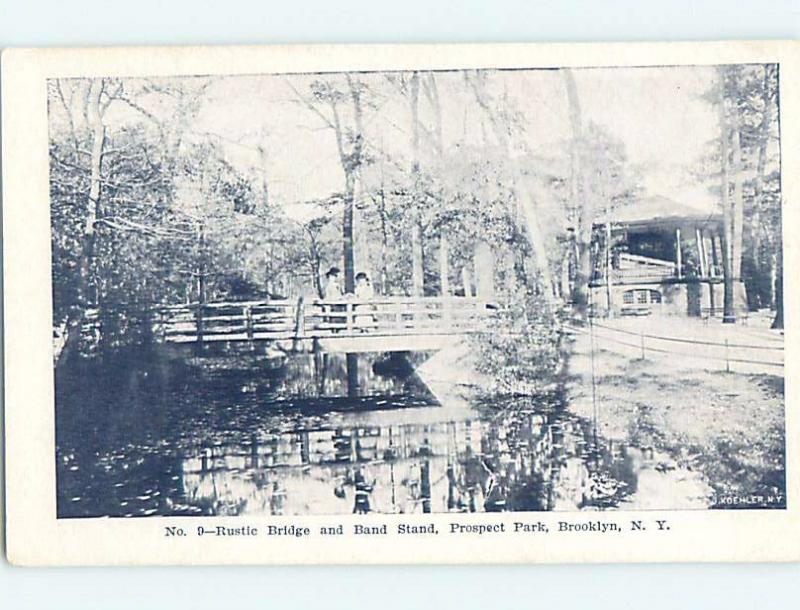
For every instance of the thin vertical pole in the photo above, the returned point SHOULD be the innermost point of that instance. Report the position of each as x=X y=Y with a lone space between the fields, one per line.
x=466 y=280
x=727 y=360
x=201 y=287
x=162 y=318
x=444 y=272
x=701 y=253
x=641 y=340
x=444 y=277
x=349 y=318
x=417 y=265
x=609 y=303
x=594 y=377
x=714 y=257
x=299 y=323
x=425 y=484
x=248 y=318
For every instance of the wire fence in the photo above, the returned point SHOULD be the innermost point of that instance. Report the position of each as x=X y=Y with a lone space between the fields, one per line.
x=645 y=348
x=684 y=340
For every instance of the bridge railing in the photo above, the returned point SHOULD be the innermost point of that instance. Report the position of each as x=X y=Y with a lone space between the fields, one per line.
x=300 y=319
x=396 y=315
x=234 y=321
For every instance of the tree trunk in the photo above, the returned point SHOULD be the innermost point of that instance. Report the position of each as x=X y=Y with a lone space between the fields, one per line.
x=85 y=260
x=607 y=253
x=384 y=241
x=728 y=313
x=201 y=289
x=536 y=236
x=444 y=266
x=432 y=93
x=737 y=210
x=318 y=282
x=417 y=266
x=579 y=191
x=347 y=236
x=316 y=264
x=526 y=200
x=414 y=104
x=758 y=190
x=352 y=165
x=484 y=271
x=778 y=321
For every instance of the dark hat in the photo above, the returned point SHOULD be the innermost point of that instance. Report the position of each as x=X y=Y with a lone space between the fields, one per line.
x=333 y=271
x=361 y=276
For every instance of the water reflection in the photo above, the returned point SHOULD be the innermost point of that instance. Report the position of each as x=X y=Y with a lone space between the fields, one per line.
x=328 y=434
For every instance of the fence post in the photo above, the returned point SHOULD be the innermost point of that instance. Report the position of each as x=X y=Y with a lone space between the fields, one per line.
x=727 y=360
x=162 y=320
x=641 y=339
x=248 y=321
x=349 y=317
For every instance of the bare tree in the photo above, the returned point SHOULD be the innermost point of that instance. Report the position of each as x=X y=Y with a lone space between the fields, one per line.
x=503 y=128
x=327 y=101
x=96 y=105
x=579 y=191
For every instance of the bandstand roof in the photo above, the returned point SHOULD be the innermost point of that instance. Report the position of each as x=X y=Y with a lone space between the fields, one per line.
x=659 y=211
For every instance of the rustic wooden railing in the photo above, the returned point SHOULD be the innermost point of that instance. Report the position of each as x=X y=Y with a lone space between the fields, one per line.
x=300 y=319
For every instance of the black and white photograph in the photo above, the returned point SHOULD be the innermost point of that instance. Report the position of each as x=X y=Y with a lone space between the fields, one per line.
x=402 y=292
x=333 y=304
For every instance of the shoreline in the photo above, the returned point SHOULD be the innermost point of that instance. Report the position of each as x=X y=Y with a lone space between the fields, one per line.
x=725 y=426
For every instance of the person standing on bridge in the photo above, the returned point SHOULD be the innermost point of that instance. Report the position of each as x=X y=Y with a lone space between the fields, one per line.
x=333 y=285
x=333 y=292
x=364 y=292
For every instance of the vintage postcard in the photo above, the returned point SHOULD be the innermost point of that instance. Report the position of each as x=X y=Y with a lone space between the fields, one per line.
x=401 y=304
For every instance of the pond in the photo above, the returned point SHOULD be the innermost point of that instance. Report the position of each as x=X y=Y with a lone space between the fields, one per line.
x=142 y=434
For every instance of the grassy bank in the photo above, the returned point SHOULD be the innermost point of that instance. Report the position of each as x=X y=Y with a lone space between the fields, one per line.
x=727 y=426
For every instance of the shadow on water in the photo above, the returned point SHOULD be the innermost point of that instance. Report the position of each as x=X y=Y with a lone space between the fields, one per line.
x=143 y=433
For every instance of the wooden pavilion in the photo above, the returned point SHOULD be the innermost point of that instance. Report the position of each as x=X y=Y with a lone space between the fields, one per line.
x=659 y=256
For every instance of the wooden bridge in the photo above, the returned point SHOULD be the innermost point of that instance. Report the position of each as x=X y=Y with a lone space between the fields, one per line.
x=347 y=325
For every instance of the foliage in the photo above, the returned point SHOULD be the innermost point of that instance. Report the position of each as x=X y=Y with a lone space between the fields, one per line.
x=176 y=211
x=749 y=98
x=523 y=354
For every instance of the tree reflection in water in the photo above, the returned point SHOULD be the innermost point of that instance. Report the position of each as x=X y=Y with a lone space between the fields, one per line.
x=325 y=434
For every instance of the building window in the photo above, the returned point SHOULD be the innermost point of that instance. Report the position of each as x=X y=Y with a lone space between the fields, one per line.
x=641 y=297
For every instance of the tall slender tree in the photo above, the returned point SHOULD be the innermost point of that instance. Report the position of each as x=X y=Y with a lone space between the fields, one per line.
x=503 y=127
x=328 y=101
x=728 y=310
x=95 y=109
x=579 y=191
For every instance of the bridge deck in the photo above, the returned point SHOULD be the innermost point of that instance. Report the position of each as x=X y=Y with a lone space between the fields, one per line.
x=347 y=325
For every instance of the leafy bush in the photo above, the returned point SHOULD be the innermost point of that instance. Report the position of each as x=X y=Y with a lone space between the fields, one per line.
x=522 y=354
